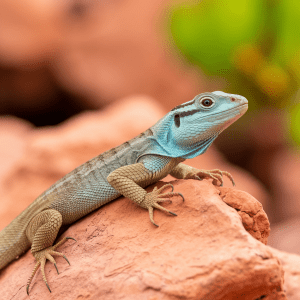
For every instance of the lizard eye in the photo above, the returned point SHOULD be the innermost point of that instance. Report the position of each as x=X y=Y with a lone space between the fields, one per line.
x=207 y=102
x=177 y=120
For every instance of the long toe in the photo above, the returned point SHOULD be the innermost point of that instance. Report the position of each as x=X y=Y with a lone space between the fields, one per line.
x=41 y=258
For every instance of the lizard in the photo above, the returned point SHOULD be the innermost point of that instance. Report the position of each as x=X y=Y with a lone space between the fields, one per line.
x=185 y=132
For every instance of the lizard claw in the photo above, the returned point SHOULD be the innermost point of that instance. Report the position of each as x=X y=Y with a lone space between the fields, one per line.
x=151 y=200
x=56 y=268
x=41 y=258
x=216 y=175
x=164 y=187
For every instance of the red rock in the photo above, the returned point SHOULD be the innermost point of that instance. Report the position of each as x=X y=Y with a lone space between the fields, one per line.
x=250 y=210
x=284 y=174
x=13 y=141
x=203 y=253
x=286 y=236
x=124 y=48
x=291 y=265
x=13 y=135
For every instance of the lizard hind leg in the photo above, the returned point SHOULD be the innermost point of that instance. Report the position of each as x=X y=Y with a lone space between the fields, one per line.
x=41 y=258
x=41 y=232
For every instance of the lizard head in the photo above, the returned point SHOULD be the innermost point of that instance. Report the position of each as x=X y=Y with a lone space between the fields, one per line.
x=190 y=128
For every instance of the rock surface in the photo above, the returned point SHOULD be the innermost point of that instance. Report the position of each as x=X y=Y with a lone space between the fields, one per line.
x=250 y=210
x=291 y=265
x=203 y=253
x=286 y=236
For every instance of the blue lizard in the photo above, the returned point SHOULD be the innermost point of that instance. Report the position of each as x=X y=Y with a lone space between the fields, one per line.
x=185 y=132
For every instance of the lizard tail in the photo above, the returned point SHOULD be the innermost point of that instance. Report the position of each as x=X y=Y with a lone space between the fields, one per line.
x=13 y=241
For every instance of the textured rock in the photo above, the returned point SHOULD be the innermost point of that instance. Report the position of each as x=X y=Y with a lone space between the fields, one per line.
x=291 y=265
x=203 y=253
x=250 y=210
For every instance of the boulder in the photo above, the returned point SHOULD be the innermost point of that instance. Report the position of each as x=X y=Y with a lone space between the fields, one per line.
x=203 y=253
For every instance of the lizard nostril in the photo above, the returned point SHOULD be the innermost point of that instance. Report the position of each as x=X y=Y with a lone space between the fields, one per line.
x=233 y=99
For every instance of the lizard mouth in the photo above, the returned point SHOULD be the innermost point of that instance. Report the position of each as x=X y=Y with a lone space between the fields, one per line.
x=243 y=108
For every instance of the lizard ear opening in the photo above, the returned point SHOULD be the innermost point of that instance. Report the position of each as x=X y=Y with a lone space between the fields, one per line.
x=177 y=120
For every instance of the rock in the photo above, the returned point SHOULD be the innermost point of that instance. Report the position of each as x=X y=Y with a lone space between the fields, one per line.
x=203 y=253
x=250 y=210
x=115 y=49
x=286 y=236
x=291 y=265
x=13 y=135
x=284 y=174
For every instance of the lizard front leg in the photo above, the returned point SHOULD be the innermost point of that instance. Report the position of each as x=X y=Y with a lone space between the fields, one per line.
x=182 y=171
x=41 y=232
x=129 y=179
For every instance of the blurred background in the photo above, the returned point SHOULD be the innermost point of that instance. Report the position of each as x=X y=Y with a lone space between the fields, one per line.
x=59 y=58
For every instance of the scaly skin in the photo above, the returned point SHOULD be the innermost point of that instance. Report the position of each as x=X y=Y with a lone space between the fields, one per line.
x=185 y=132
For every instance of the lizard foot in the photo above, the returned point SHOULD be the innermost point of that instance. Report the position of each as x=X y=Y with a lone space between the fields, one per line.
x=42 y=256
x=151 y=200
x=216 y=175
